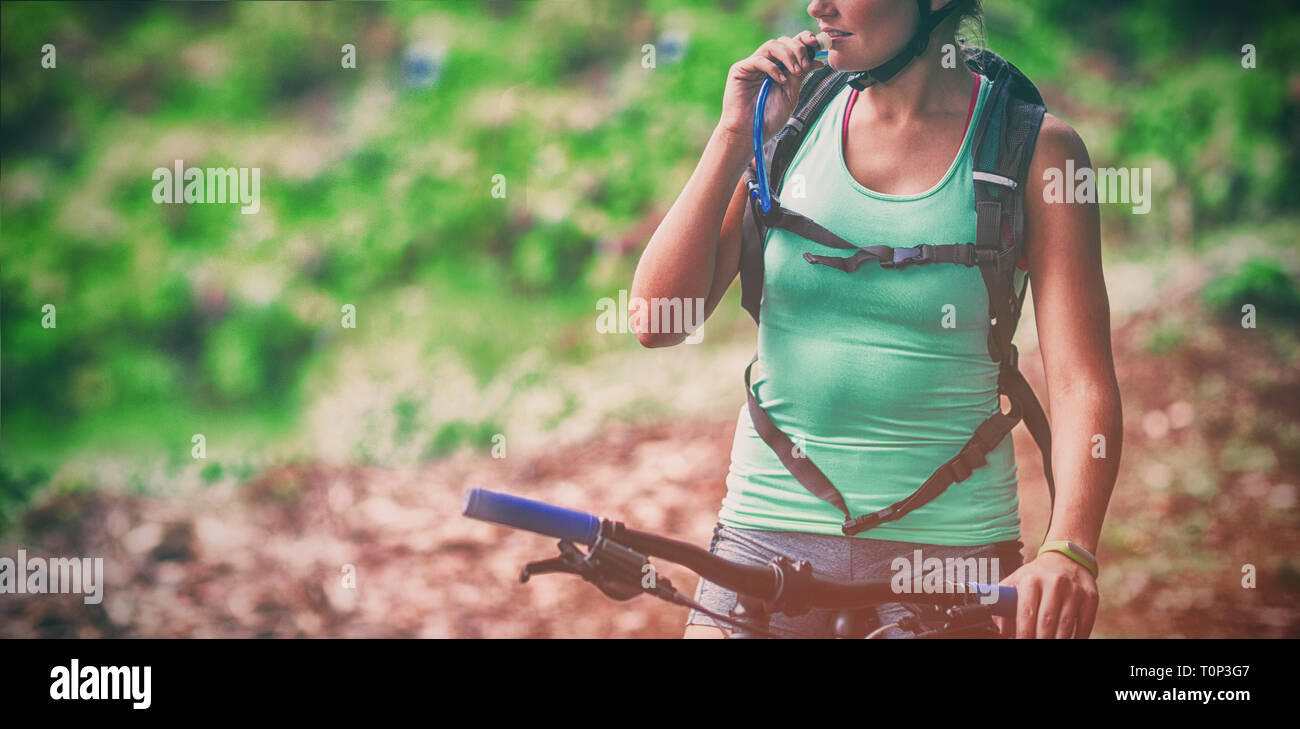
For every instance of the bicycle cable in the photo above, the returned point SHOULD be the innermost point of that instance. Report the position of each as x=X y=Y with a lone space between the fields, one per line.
x=734 y=623
x=882 y=629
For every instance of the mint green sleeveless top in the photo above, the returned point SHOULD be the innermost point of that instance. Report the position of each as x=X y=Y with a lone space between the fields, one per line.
x=879 y=375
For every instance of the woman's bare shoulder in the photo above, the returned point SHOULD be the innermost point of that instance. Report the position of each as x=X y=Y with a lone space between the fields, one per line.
x=1057 y=143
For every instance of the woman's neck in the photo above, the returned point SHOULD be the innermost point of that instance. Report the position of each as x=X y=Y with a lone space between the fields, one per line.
x=924 y=87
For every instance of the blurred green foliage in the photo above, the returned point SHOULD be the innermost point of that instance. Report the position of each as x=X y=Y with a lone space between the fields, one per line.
x=1166 y=338
x=15 y=490
x=1260 y=283
x=457 y=433
x=374 y=184
x=1161 y=84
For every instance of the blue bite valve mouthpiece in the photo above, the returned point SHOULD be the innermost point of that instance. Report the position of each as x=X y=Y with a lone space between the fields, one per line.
x=824 y=47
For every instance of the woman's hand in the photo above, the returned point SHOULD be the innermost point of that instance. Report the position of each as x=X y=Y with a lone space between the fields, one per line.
x=746 y=77
x=1056 y=597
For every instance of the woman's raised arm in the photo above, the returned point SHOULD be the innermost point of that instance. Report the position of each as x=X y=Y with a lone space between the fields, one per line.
x=695 y=252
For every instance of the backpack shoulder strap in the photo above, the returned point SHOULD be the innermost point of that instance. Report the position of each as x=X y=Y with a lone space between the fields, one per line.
x=816 y=93
x=814 y=96
x=1005 y=135
x=1004 y=146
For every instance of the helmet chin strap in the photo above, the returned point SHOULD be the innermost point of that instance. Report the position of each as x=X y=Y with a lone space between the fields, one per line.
x=915 y=47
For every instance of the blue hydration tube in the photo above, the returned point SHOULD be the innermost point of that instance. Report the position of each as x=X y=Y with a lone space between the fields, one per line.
x=763 y=194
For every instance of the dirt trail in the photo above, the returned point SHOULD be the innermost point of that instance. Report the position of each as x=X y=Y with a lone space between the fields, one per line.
x=267 y=558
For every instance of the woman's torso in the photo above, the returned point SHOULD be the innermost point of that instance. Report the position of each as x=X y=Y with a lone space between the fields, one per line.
x=879 y=375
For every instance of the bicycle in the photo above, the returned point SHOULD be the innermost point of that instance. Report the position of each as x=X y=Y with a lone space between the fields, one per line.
x=617 y=562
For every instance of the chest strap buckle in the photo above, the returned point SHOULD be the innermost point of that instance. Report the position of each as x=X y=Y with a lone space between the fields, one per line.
x=904 y=257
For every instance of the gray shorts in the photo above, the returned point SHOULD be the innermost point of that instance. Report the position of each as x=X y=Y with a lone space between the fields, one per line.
x=839 y=558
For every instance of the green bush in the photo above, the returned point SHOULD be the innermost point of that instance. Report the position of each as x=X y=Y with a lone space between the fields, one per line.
x=458 y=434
x=1262 y=284
x=253 y=355
x=16 y=489
x=1165 y=338
x=552 y=257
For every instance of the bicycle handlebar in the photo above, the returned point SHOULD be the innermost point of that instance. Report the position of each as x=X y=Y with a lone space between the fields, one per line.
x=534 y=516
x=761 y=582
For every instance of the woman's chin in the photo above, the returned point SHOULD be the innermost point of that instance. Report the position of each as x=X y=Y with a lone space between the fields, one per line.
x=841 y=61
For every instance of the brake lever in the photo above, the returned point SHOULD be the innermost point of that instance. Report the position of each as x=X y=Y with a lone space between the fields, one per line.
x=546 y=566
x=615 y=570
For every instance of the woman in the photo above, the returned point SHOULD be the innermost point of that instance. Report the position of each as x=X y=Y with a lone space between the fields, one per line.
x=834 y=348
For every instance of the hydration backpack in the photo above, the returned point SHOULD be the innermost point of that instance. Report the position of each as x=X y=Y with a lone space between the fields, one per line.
x=1005 y=133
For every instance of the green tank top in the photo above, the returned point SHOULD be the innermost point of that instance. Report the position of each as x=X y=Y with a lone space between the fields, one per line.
x=880 y=376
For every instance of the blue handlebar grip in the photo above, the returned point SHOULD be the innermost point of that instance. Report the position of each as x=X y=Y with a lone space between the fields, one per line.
x=533 y=516
x=1005 y=606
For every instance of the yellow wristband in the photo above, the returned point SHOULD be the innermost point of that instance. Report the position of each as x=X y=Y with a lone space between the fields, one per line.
x=1074 y=552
